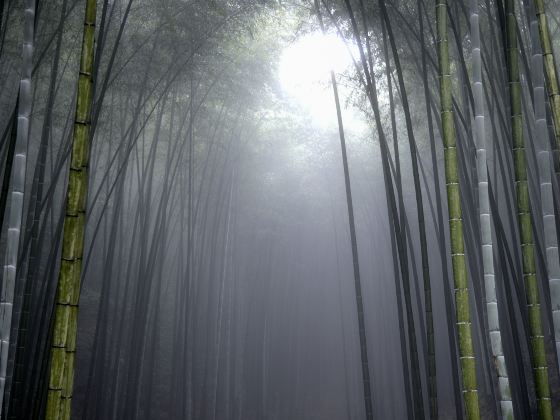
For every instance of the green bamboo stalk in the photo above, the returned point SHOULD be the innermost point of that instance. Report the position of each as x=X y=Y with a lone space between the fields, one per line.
x=551 y=242
x=466 y=351
x=540 y=369
x=63 y=344
x=550 y=72
x=542 y=147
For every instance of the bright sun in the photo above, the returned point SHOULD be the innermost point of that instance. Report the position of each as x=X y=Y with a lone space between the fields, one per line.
x=305 y=69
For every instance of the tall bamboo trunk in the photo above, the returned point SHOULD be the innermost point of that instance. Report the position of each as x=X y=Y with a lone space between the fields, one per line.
x=540 y=369
x=550 y=72
x=32 y=243
x=63 y=345
x=546 y=60
x=545 y=179
x=439 y=222
x=401 y=234
x=431 y=358
x=368 y=404
x=479 y=134
x=17 y=179
x=464 y=328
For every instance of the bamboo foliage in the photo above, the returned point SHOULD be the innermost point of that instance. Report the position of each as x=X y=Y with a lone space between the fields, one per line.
x=485 y=217
x=63 y=344
x=466 y=351
x=17 y=192
x=540 y=369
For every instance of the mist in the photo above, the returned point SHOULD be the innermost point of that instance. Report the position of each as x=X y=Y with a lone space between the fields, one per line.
x=279 y=210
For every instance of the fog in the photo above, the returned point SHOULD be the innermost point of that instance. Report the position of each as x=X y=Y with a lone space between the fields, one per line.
x=281 y=210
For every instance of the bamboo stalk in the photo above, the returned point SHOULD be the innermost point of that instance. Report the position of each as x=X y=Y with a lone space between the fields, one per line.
x=546 y=61
x=550 y=73
x=485 y=216
x=466 y=350
x=539 y=363
x=368 y=404
x=63 y=345
x=17 y=185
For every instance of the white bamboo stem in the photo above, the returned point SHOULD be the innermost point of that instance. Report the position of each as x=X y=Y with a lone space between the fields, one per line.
x=479 y=135
x=16 y=195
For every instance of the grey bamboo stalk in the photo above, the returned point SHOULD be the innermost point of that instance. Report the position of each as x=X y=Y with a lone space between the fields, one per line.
x=366 y=381
x=464 y=328
x=539 y=363
x=545 y=180
x=63 y=345
x=549 y=68
x=428 y=311
x=479 y=133
x=17 y=191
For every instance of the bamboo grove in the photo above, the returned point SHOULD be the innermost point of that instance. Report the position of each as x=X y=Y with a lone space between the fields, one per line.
x=265 y=209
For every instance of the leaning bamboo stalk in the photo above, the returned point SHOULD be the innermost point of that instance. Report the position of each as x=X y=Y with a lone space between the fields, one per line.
x=430 y=338
x=545 y=181
x=17 y=192
x=466 y=350
x=63 y=345
x=366 y=381
x=32 y=244
x=536 y=335
x=485 y=216
x=550 y=71
x=547 y=62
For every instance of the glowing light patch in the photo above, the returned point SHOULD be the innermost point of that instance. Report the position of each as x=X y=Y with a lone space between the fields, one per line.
x=304 y=73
